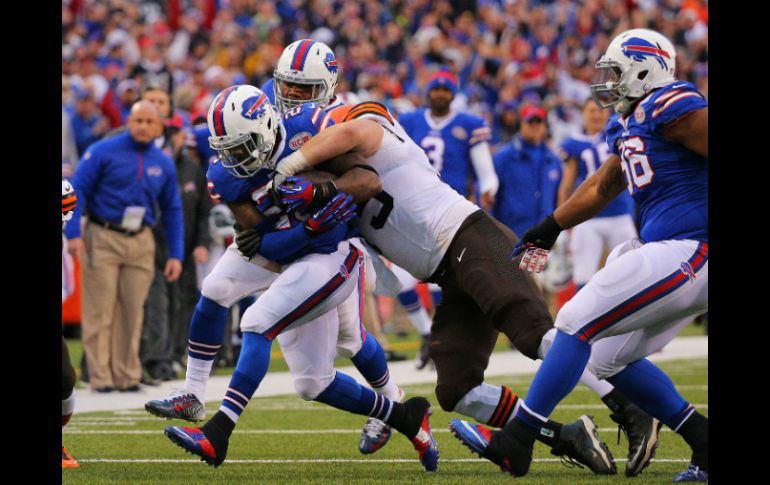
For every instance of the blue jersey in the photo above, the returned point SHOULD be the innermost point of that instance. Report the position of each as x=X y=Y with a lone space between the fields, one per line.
x=669 y=183
x=299 y=124
x=448 y=144
x=590 y=152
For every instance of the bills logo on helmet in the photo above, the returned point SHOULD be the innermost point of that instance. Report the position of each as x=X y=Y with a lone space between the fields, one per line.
x=254 y=107
x=687 y=269
x=638 y=49
x=331 y=62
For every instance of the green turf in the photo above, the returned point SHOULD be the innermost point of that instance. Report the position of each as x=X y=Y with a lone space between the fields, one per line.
x=289 y=413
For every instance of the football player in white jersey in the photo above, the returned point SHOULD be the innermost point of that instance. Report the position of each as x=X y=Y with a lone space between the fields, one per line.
x=437 y=235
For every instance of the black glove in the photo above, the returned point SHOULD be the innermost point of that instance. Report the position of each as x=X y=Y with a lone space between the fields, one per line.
x=542 y=235
x=247 y=240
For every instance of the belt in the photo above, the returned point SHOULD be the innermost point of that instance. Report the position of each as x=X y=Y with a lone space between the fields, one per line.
x=113 y=227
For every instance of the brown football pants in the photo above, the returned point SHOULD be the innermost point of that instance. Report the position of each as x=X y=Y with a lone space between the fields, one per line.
x=484 y=293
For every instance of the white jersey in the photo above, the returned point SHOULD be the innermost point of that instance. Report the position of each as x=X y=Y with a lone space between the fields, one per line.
x=413 y=220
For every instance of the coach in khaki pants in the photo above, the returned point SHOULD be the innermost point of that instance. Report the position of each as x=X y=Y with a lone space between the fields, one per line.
x=123 y=181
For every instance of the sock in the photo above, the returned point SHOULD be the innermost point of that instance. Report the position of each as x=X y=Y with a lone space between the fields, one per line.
x=695 y=431
x=207 y=329
x=505 y=408
x=435 y=293
x=616 y=401
x=600 y=387
x=651 y=389
x=348 y=395
x=370 y=362
x=249 y=371
x=492 y=405
x=67 y=407
x=558 y=374
x=415 y=311
x=407 y=417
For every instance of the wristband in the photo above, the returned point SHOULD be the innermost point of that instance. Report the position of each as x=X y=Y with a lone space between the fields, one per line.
x=293 y=164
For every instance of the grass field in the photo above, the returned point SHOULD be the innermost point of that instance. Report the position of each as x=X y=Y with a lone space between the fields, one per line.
x=286 y=440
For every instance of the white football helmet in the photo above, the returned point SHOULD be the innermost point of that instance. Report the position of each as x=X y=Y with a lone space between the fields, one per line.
x=244 y=129
x=636 y=62
x=307 y=62
x=68 y=200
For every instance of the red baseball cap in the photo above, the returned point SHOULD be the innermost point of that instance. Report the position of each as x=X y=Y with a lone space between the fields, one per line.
x=532 y=111
x=175 y=121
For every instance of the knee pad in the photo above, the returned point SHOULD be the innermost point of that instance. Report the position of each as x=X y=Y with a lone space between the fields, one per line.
x=308 y=388
x=219 y=289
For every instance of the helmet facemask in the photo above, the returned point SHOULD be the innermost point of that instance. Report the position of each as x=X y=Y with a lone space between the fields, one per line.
x=320 y=92
x=244 y=154
x=610 y=88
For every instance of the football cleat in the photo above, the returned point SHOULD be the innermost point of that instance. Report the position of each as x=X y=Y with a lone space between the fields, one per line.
x=374 y=436
x=422 y=358
x=179 y=405
x=194 y=441
x=376 y=433
x=425 y=444
x=692 y=474
x=67 y=461
x=579 y=442
x=481 y=440
x=643 y=433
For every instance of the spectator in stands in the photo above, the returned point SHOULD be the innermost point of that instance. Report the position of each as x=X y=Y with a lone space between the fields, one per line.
x=88 y=123
x=121 y=181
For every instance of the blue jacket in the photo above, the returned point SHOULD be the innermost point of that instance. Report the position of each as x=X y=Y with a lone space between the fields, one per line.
x=117 y=173
x=529 y=182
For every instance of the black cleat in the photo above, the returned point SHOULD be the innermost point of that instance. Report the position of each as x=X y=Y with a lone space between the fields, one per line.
x=500 y=447
x=422 y=359
x=579 y=442
x=643 y=434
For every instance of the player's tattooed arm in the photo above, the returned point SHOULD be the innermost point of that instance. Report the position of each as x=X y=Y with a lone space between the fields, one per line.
x=692 y=131
x=593 y=195
x=355 y=176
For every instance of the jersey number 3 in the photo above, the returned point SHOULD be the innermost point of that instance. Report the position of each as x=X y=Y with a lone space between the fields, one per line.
x=378 y=220
x=636 y=164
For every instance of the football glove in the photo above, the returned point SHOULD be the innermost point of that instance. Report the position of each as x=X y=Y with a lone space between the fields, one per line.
x=337 y=211
x=303 y=194
x=536 y=243
x=248 y=240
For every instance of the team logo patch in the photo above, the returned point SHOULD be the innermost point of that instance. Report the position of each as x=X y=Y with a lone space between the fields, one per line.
x=639 y=114
x=553 y=174
x=459 y=133
x=154 y=171
x=639 y=49
x=254 y=107
x=331 y=63
x=298 y=140
x=687 y=269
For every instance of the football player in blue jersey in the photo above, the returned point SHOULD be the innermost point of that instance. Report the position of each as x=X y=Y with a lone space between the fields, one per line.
x=649 y=288
x=582 y=155
x=248 y=135
x=457 y=147
x=456 y=143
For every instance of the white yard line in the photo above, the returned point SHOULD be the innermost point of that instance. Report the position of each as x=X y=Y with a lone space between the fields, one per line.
x=74 y=430
x=342 y=460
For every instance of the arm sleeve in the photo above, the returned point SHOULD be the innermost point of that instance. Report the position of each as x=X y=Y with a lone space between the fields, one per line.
x=84 y=182
x=171 y=213
x=481 y=159
x=285 y=246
